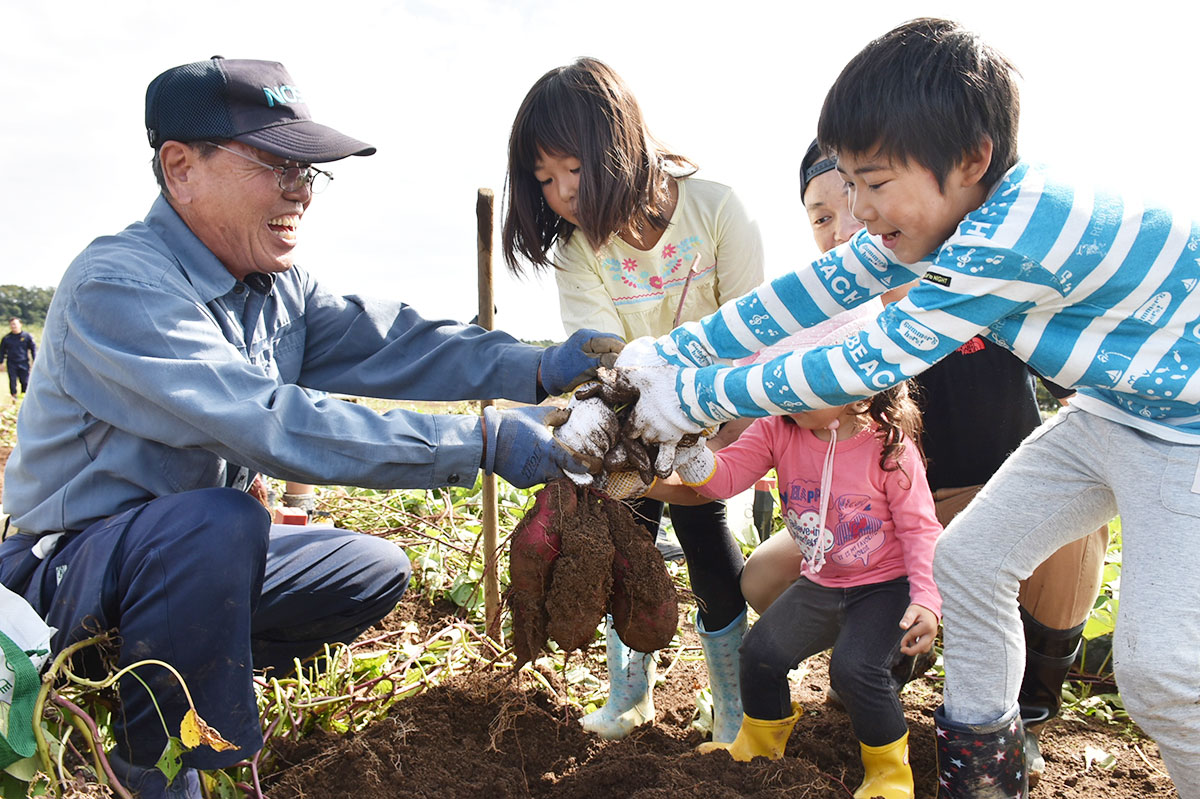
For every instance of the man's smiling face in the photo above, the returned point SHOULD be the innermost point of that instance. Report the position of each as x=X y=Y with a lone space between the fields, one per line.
x=238 y=210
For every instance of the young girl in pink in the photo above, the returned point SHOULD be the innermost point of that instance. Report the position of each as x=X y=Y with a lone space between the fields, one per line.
x=857 y=553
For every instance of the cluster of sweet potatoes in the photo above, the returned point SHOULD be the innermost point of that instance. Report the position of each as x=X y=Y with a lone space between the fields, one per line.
x=576 y=555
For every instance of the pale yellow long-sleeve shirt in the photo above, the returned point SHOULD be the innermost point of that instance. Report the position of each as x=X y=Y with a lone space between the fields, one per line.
x=636 y=293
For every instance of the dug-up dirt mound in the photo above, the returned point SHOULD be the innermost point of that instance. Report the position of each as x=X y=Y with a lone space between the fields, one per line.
x=483 y=734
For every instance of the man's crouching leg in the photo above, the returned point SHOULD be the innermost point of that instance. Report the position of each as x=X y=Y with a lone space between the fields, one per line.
x=179 y=578
x=323 y=585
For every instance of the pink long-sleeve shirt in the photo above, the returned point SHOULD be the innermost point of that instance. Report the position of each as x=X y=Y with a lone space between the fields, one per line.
x=880 y=525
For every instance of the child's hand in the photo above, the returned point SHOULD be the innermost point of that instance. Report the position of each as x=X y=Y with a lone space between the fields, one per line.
x=921 y=625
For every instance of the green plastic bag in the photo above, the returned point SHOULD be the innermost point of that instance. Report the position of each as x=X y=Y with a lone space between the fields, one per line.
x=24 y=647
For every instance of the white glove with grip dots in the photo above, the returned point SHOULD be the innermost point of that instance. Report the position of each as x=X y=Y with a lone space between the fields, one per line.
x=696 y=464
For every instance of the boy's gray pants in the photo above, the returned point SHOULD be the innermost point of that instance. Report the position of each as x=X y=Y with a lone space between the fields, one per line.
x=1071 y=475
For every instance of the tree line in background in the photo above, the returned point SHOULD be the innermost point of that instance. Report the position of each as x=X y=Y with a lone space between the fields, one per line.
x=28 y=303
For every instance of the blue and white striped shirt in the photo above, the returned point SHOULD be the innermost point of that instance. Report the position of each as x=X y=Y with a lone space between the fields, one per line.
x=1095 y=291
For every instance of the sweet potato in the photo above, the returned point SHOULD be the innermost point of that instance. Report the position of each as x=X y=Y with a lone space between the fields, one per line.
x=535 y=545
x=643 y=604
x=582 y=578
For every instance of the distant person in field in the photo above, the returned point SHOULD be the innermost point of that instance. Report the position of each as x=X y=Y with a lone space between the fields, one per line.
x=177 y=361
x=17 y=350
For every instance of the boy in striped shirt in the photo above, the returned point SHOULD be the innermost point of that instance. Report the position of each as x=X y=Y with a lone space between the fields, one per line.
x=1095 y=291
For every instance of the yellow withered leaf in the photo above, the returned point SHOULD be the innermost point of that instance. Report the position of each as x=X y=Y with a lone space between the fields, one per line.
x=194 y=731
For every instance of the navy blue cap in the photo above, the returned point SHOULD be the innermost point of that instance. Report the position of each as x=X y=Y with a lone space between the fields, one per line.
x=255 y=102
x=814 y=163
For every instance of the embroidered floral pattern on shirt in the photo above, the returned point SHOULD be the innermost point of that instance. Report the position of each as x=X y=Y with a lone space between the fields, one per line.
x=651 y=281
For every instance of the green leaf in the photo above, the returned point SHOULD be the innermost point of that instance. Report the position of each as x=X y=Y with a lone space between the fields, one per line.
x=1098 y=624
x=703 y=719
x=169 y=762
x=221 y=785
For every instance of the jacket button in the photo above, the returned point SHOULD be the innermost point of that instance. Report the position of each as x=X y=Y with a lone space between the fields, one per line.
x=453 y=479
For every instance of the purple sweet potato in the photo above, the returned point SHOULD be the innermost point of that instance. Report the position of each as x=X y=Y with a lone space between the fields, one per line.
x=533 y=549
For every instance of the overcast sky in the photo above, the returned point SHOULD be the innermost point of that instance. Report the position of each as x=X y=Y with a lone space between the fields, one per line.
x=736 y=86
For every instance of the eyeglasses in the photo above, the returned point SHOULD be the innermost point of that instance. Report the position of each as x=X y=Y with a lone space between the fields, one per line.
x=291 y=178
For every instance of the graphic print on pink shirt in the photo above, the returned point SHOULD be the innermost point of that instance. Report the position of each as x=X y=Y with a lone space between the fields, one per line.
x=855 y=535
x=858 y=534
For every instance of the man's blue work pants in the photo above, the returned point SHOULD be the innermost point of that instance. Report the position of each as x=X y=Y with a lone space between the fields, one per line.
x=203 y=581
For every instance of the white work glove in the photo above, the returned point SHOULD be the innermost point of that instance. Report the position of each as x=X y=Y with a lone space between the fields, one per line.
x=657 y=417
x=589 y=433
x=640 y=352
x=650 y=351
x=696 y=464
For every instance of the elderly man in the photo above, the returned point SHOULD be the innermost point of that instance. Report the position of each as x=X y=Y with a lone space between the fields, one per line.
x=175 y=360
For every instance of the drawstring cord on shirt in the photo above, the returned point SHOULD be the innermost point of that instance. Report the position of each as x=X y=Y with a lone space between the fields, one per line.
x=817 y=556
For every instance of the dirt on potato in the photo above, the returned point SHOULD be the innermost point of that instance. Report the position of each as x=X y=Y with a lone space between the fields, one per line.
x=582 y=576
x=644 y=606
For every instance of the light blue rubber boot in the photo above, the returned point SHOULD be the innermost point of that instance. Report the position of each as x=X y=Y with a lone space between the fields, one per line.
x=630 y=690
x=724 y=663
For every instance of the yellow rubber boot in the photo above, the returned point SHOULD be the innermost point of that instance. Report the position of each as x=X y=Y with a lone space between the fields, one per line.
x=758 y=738
x=887 y=771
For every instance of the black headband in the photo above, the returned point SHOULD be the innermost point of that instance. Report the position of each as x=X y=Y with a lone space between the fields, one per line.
x=819 y=168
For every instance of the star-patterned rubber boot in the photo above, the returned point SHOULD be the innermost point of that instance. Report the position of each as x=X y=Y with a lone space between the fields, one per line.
x=981 y=761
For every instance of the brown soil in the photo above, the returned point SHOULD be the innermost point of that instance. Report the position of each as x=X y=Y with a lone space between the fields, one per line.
x=484 y=734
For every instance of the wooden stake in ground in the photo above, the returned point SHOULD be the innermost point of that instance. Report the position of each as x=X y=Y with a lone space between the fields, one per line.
x=491 y=583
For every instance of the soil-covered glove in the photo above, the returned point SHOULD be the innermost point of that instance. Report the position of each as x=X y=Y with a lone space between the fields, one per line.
x=519 y=446
x=588 y=433
x=696 y=464
x=657 y=417
x=564 y=366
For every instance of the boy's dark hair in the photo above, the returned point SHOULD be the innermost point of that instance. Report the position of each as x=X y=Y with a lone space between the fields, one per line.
x=928 y=91
x=583 y=110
